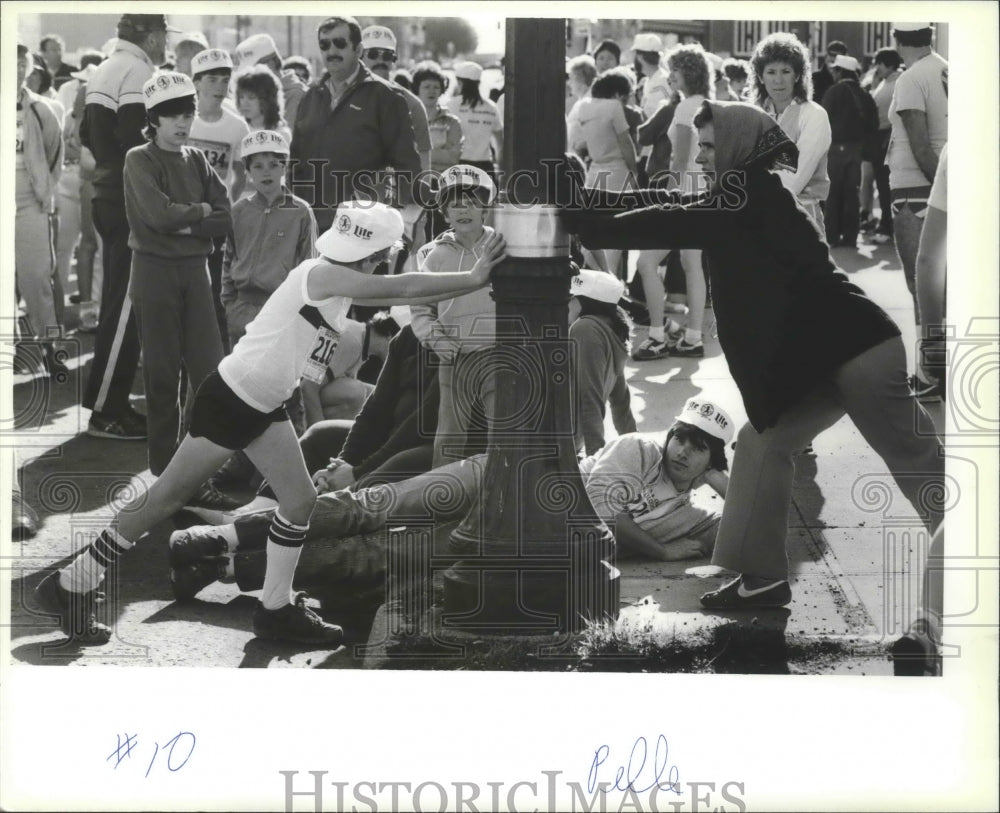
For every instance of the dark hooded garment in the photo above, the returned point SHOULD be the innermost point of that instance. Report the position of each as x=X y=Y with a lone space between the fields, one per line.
x=787 y=316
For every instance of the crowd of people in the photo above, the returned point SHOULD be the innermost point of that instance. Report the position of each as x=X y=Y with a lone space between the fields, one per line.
x=243 y=228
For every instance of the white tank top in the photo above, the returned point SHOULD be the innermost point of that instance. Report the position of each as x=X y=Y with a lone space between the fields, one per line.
x=292 y=336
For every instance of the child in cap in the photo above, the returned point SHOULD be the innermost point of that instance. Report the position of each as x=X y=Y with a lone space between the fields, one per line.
x=646 y=491
x=273 y=231
x=240 y=406
x=176 y=206
x=599 y=329
x=460 y=331
x=217 y=131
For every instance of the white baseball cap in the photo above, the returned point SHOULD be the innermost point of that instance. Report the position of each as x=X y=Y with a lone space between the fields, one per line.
x=378 y=36
x=910 y=26
x=192 y=36
x=164 y=86
x=708 y=417
x=464 y=176
x=211 y=60
x=263 y=141
x=401 y=315
x=599 y=285
x=848 y=63
x=84 y=74
x=647 y=42
x=360 y=228
x=253 y=49
x=468 y=70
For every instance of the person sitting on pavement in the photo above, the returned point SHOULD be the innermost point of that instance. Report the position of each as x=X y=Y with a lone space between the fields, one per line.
x=781 y=307
x=599 y=330
x=642 y=488
x=241 y=406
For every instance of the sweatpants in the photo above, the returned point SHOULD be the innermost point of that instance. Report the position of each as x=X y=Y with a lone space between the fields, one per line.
x=34 y=262
x=116 y=345
x=172 y=299
x=871 y=389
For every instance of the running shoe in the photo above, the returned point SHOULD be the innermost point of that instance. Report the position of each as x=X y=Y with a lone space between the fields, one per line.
x=75 y=611
x=691 y=351
x=126 y=427
x=297 y=623
x=735 y=596
x=650 y=350
x=208 y=496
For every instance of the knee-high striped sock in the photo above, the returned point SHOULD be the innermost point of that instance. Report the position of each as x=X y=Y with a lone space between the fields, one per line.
x=284 y=544
x=85 y=572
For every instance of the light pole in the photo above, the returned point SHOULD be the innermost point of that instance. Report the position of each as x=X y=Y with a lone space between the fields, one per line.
x=535 y=558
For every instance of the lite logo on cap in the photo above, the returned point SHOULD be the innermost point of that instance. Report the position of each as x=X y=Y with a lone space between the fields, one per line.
x=211 y=60
x=166 y=86
x=709 y=418
x=464 y=176
x=344 y=224
x=360 y=229
x=263 y=141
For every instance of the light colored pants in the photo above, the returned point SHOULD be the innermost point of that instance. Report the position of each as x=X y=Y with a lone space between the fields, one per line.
x=34 y=263
x=68 y=202
x=870 y=388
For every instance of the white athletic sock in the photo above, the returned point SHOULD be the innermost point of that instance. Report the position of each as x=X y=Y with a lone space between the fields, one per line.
x=656 y=334
x=85 y=572
x=284 y=544
x=692 y=336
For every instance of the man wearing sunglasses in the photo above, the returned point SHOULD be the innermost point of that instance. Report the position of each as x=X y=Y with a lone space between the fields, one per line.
x=378 y=53
x=351 y=127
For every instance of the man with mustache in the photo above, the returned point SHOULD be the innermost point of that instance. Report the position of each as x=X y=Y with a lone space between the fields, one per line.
x=351 y=127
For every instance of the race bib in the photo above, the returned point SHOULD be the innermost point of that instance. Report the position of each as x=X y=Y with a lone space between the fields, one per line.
x=318 y=361
x=218 y=153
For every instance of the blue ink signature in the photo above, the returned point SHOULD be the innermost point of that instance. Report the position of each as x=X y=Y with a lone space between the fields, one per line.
x=131 y=741
x=632 y=772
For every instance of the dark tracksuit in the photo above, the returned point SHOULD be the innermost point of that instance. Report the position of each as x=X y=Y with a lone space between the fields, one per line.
x=113 y=120
x=170 y=289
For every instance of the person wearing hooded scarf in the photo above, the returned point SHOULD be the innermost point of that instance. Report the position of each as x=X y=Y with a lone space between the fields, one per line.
x=803 y=344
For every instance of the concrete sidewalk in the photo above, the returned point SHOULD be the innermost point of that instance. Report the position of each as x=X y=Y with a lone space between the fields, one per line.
x=853 y=538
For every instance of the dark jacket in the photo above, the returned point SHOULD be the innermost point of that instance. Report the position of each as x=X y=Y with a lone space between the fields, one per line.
x=787 y=317
x=114 y=116
x=822 y=82
x=852 y=111
x=348 y=147
x=401 y=412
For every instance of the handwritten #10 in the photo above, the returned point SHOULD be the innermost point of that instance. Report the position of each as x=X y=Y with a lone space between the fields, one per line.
x=174 y=762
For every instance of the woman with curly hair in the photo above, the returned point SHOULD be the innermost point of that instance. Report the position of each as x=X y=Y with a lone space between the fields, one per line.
x=691 y=75
x=782 y=87
x=260 y=100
